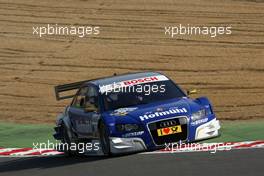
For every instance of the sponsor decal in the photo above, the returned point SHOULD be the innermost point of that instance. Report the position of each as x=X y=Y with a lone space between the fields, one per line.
x=163 y=113
x=141 y=80
x=110 y=87
x=169 y=130
x=138 y=133
x=122 y=111
x=198 y=122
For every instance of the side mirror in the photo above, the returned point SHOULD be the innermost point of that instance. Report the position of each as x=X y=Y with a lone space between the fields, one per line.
x=192 y=91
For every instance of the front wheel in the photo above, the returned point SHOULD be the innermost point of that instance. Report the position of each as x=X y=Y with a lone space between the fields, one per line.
x=104 y=139
x=67 y=143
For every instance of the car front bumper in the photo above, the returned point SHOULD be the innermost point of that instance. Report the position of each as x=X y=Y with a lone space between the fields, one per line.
x=136 y=144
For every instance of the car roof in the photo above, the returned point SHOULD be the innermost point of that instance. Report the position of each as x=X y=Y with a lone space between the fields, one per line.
x=122 y=77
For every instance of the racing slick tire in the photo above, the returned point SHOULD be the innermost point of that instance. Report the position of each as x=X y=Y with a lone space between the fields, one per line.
x=104 y=139
x=66 y=140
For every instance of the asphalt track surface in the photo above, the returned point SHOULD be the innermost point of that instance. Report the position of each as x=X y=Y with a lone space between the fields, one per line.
x=235 y=162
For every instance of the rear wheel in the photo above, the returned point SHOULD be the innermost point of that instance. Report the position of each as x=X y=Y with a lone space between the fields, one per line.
x=104 y=139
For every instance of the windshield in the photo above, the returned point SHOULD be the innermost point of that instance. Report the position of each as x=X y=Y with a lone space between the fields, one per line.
x=141 y=94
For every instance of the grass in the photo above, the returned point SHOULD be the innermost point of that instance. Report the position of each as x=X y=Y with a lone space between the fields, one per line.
x=23 y=135
x=241 y=131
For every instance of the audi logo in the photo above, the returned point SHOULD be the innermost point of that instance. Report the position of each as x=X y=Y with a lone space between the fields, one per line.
x=168 y=123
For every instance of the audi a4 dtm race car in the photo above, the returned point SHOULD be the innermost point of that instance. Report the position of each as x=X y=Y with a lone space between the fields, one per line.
x=131 y=113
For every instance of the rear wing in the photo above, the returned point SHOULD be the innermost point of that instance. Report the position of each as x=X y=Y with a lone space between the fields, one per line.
x=67 y=87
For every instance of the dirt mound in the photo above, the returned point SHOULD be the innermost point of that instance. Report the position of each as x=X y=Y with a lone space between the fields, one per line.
x=229 y=69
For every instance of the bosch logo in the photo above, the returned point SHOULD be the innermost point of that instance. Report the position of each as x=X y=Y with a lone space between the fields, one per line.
x=168 y=123
x=141 y=80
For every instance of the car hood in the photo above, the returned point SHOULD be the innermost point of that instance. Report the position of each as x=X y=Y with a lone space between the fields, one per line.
x=155 y=111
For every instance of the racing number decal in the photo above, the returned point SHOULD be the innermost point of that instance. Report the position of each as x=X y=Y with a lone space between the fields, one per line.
x=169 y=130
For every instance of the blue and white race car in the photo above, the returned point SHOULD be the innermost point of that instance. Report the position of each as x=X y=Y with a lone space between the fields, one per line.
x=133 y=112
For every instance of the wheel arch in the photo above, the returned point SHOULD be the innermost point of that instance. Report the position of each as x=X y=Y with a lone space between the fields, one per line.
x=204 y=101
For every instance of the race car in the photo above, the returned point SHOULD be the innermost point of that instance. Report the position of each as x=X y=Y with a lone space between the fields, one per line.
x=131 y=113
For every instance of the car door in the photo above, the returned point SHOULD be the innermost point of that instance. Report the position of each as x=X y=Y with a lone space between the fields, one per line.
x=84 y=112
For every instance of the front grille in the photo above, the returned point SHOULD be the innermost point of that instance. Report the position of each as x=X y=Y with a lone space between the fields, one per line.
x=171 y=138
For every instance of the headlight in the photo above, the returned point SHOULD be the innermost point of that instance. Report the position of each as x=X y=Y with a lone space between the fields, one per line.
x=127 y=127
x=198 y=115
